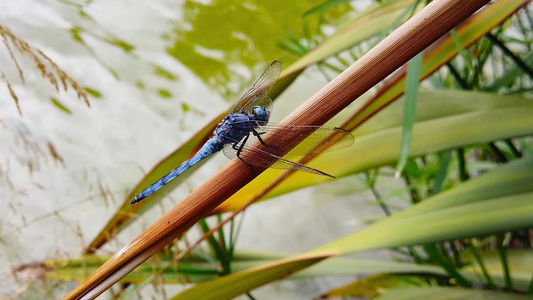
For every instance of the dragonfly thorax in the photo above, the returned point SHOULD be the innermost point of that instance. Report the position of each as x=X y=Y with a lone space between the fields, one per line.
x=261 y=115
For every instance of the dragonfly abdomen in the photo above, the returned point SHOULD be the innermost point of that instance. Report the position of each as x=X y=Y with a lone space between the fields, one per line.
x=210 y=147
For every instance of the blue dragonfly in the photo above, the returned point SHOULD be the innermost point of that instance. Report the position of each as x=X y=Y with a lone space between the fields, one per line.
x=243 y=127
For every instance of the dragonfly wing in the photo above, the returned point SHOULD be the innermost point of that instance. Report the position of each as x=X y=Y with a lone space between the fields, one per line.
x=258 y=157
x=260 y=88
x=319 y=138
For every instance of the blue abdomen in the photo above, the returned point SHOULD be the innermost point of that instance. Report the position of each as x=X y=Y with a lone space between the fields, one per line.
x=210 y=147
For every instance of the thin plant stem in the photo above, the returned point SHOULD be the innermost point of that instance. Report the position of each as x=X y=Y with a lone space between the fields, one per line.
x=479 y=261
x=380 y=201
x=511 y=146
x=463 y=173
x=505 y=264
x=519 y=63
x=457 y=76
x=500 y=157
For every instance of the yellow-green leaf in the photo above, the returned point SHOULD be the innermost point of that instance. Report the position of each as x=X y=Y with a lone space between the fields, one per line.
x=233 y=285
x=374 y=285
x=447 y=293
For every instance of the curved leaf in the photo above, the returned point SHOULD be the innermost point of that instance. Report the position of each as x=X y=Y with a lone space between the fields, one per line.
x=447 y=293
x=521 y=264
x=370 y=22
x=233 y=285
x=374 y=285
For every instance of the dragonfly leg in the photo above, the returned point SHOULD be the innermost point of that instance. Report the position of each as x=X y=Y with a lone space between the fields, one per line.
x=239 y=150
x=258 y=135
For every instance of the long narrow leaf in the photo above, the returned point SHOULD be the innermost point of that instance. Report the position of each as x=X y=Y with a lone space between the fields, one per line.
x=446 y=293
x=409 y=111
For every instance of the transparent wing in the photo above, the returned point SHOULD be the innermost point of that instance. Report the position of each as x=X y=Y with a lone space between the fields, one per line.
x=258 y=157
x=319 y=138
x=259 y=100
x=260 y=88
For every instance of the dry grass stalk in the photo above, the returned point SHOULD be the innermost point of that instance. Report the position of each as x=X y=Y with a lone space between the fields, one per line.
x=49 y=69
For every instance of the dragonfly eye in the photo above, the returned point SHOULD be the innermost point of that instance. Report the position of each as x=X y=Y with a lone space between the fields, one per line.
x=261 y=114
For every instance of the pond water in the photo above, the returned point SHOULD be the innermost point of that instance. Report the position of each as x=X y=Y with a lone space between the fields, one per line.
x=156 y=72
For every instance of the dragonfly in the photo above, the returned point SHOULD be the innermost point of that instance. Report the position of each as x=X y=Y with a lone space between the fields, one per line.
x=239 y=133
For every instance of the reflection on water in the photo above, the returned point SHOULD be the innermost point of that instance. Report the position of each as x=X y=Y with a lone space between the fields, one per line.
x=221 y=40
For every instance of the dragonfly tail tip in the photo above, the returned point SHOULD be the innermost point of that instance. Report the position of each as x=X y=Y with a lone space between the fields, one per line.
x=136 y=199
x=328 y=175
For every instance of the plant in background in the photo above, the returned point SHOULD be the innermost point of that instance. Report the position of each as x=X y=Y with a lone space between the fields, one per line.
x=459 y=136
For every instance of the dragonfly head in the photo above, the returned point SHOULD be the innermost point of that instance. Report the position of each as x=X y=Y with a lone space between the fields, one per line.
x=261 y=114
